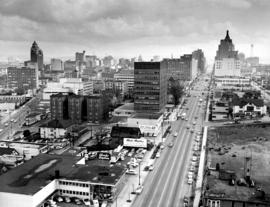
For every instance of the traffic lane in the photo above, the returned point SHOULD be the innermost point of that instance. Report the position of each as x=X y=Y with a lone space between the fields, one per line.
x=167 y=194
x=153 y=178
x=160 y=167
x=183 y=180
x=173 y=156
x=178 y=168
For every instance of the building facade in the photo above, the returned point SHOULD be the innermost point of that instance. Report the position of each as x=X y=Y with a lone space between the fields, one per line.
x=36 y=56
x=57 y=65
x=126 y=76
x=150 y=87
x=26 y=78
x=227 y=62
x=78 y=108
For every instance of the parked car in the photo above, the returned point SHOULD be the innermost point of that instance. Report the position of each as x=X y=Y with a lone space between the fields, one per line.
x=185 y=201
x=131 y=172
x=175 y=134
x=151 y=167
x=67 y=199
x=158 y=155
x=139 y=189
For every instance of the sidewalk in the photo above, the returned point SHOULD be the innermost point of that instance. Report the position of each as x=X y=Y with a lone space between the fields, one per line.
x=198 y=189
x=132 y=182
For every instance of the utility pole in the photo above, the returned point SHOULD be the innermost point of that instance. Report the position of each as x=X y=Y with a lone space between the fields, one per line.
x=139 y=173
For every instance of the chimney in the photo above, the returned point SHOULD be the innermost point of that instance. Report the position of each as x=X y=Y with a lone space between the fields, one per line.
x=56 y=174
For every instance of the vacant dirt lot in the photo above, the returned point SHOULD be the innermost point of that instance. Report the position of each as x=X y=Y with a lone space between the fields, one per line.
x=232 y=147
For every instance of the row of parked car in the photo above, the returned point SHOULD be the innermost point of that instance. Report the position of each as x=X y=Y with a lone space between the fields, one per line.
x=65 y=199
x=195 y=158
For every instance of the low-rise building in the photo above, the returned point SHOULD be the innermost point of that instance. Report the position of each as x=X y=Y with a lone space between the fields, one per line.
x=55 y=129
x=249 y=106
x=150 y=124
x=220 y=111
x=9 y=156
x=235 y=83
x=32 y=183
x=27 y=149
x=32 y=118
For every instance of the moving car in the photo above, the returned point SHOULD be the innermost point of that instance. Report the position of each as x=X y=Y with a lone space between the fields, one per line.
x=170 y=144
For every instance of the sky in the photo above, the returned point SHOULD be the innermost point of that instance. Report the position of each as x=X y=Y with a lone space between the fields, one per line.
x=128 y=28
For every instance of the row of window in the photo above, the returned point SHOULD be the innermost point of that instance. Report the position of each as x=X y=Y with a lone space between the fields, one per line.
x=74 y=192
x=74 y=184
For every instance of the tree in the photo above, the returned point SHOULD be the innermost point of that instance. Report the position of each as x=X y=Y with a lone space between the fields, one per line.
x=26 y=133
x=176 y=90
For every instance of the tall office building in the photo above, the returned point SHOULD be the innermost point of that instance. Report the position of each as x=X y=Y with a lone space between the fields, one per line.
x=57 y=65
x=150 y=87
x=199 y=56
x=36 y=56
x=226 y=48
x=227 y=62
x=80 y=56
x=24 y=77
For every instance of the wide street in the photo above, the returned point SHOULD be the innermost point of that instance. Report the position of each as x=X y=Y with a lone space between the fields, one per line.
x=15 y=119
x=167 y=184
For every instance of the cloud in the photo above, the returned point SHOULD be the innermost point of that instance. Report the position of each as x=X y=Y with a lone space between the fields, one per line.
x=127 y=23
x=242 y=4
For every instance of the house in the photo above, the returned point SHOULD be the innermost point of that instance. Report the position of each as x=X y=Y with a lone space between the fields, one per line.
x=26 y=149
x=248 y=106
x=9 y=156
x=55 y=129
x=32 y=118
x=220 y=110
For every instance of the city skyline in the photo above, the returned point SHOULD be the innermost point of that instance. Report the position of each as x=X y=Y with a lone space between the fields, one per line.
x=129 y=28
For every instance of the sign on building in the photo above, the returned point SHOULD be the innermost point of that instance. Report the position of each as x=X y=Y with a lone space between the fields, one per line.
x=104 y=156
x=140 y=143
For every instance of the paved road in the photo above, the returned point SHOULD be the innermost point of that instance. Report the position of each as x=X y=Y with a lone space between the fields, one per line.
x=16 y=119
x=166 y=185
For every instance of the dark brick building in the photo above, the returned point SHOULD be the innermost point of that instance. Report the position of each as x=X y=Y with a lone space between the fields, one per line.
x=79 y=108
x=24 y=77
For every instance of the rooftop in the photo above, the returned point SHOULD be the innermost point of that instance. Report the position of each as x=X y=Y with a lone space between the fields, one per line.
x=57 y=124
x=123 y=132
x=6 y=151
x=147 y=116
x=243 y=101
x=127 y=106
x=33 y=175
x=33 y=114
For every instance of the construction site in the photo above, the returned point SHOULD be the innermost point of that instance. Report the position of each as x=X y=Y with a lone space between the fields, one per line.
x=238 y=166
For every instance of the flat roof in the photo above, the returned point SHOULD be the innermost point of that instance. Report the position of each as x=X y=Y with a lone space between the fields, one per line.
x=147 y=116
x=36 y=173
x=127 y=106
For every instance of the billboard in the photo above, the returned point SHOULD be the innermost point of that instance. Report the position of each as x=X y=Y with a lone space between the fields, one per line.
x=104 y=156
x=140 y=143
